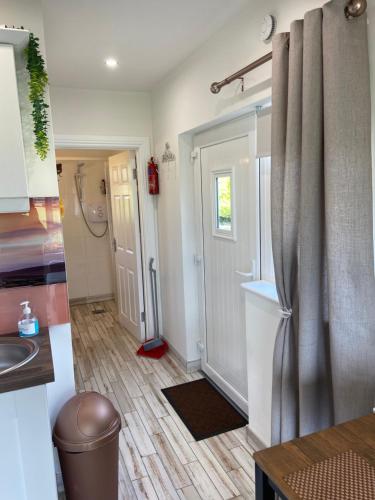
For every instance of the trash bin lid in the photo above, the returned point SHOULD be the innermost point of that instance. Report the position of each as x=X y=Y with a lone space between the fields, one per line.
x=86 y=422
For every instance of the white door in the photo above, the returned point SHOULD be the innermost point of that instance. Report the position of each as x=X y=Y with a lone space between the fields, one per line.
x=126 y=233
x=226 y=183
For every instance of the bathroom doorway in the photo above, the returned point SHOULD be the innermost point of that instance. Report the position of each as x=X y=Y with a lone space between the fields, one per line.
x=90 y=241
x=86 y=226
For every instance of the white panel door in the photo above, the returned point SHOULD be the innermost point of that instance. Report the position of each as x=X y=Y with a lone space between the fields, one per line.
x=128 y=260
x=226 y=212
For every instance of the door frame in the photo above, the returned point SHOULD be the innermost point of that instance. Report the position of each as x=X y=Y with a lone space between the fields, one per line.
x=147 y=204
x=235 y=396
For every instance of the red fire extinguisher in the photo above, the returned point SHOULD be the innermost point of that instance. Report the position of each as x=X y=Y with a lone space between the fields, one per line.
x=153 y=176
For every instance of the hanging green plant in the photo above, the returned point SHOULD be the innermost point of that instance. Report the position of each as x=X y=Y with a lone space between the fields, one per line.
x=38 y=82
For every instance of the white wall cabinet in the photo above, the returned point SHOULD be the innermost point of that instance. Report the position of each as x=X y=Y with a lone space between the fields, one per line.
x=14 y=195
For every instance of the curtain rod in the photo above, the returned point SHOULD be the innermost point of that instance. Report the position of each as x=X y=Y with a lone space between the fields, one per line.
x=354 y=8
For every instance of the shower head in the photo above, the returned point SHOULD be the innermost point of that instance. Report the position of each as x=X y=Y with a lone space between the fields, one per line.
x=78 y=178
x=79 y=168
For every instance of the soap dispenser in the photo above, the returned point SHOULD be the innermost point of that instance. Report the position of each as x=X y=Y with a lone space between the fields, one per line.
x=28 y=325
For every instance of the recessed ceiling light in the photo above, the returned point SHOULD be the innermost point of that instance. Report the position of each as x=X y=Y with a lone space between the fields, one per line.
x=111 y=62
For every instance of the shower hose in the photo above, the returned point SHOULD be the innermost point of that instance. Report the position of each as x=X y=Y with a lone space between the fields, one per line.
x=84 y=216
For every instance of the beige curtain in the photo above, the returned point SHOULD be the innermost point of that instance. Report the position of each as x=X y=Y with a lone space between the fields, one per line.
x=324 y=358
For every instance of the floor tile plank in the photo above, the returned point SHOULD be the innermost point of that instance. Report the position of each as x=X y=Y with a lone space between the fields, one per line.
x=130 y=454
x=144 y=489
x=126 y=489
x=130 y=383
x=177 y=441
x=139 y=433
x=148 y=418
x=241 y=434
x=221 y=452
x=215 y=471
x=159 y=478
x=155 y=402
x=202 y=482
x=189 y=493
x=123 y=398
x=137 y=373
x=230 y=440
x=243 y=483
x=171 y=462
x=245 y=460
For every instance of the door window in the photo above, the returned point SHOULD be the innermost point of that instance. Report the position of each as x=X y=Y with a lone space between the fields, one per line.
x=223 y=208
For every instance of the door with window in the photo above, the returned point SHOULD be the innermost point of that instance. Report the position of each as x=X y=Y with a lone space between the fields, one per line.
x=126 y=239
x=228 y=186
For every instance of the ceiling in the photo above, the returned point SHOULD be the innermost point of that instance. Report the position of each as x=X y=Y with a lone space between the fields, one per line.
x=147 y=37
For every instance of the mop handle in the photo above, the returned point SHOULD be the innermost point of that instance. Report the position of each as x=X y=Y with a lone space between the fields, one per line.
x=154 y=295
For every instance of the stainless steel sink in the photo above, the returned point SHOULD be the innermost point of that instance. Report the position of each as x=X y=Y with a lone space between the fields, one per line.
x=16 y=352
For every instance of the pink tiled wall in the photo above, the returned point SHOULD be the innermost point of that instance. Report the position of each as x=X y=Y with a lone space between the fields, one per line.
x=49 y=304
x=32 y=265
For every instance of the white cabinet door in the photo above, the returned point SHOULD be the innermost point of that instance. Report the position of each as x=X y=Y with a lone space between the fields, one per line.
x=27 y=469
x=226 y=211
x=128 y=261
x=13 y=185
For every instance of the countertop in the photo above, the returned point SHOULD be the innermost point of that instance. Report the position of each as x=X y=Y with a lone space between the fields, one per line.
x=38 y=371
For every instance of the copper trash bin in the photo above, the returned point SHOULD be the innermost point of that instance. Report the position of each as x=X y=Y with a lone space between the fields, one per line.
x=86 y=435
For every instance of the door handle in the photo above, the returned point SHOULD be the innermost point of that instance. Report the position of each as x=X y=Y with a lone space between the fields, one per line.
x=251 y=274
x=245 y=275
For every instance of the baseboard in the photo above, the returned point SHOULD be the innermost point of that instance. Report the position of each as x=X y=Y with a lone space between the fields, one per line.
x=89 y=300
x=193 y=366
x=187 y=366
x=253 y=440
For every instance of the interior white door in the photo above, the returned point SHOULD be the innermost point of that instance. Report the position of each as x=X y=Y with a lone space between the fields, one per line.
x=126 y=233
x=226 y=208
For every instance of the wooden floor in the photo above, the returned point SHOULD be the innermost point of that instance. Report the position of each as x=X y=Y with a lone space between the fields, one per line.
x=159 y=459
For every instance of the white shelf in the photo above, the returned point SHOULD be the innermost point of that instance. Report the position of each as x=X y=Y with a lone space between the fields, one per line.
x=13 y=36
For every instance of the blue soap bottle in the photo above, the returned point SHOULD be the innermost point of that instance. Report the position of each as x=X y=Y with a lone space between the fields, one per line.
x=28 y=325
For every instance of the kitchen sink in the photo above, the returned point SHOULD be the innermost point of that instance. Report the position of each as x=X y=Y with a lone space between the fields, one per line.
x=16 y=352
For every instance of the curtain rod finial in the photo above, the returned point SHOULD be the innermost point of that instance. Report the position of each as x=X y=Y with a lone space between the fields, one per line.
x=215 y=88
x=355 y=8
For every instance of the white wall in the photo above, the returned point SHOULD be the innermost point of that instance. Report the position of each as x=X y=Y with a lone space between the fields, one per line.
x=99 y=112
x=88 y=259
x=183 y=102
x=63 y=388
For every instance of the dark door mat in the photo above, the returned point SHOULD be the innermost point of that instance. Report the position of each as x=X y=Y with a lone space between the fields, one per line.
x=204 y=411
